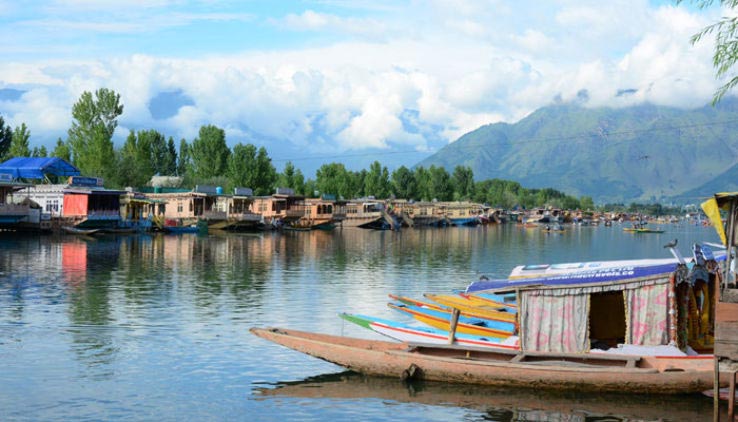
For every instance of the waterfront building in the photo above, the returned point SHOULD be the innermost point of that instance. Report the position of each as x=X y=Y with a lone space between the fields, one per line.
x=321 y=213
x=280 y=209
x=239 y=216
x=181 y=207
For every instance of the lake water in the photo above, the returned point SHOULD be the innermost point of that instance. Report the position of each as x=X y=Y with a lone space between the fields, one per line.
x=155 y=327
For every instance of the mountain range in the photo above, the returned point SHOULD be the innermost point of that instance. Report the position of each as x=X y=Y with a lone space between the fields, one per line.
x=643 y=153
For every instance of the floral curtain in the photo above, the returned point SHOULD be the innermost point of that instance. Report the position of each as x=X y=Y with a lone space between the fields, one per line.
x=555 y=323
x=648 y=318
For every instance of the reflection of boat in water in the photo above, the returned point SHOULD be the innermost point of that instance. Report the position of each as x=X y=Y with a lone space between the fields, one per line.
x=500 y=404
x=75 y=230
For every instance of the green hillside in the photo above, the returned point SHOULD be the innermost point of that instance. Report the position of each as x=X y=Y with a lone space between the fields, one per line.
x=643 y=153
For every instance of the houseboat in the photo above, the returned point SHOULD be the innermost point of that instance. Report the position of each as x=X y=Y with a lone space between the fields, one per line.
x=179 y=207
x=81 y=203
x=463 y=213
x=366 y=214
x=26 y=215
x=136 y=211
x=280 y=209
x=239 y=216
x=321 y=213
x=422 y=214
x=21 y=211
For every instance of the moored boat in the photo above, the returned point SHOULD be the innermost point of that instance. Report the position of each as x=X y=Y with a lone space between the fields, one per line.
x=641 y=230
x=623 y=331
x=501 y=367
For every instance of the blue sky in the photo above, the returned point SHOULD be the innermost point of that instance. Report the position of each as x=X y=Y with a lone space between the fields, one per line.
x=348 y=81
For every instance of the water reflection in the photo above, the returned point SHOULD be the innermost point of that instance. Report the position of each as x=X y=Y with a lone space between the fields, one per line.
x=115 y=324
x=495 y=404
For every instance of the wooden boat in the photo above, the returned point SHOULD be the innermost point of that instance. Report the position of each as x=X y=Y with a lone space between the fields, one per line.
x=405 y=332
x=75 y=230
x=473 y=307
x=181 y=229
x=466 y=325
x=628 y=330
x=501 y=367
x=641 y=230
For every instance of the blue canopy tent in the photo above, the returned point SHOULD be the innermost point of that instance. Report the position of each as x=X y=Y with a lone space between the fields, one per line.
x=37 y=167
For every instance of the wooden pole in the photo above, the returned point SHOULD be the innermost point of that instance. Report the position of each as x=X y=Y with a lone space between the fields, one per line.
x=716 y=392
x=731 y=397
x=452 y=327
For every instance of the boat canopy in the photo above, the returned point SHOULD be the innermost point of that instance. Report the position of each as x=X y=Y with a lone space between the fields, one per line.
x=580 y=278
x=641 y=306
x=37 y=167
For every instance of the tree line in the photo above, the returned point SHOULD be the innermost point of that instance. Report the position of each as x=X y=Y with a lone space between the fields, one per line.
x=207 y=160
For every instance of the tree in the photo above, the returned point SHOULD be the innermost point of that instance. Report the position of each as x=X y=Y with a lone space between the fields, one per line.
x=209 y=153
x=250 y=168
x=422 y=183
x=403 y=183
x=292 y=178
x=183 y=161
x=61 y=150
x=240 y=165
x=265 y=174
x=19 y=143
x=586 y=203
x=726 y=43
x=169 y=166
x=377 y=181
x=463 y=181
x=134 y=163
x=333 y=179
x=6 y=137
x=440 y=184
x=39 y=151
x=91 y=134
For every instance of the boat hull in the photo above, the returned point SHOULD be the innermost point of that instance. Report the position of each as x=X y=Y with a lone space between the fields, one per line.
x=503 y=368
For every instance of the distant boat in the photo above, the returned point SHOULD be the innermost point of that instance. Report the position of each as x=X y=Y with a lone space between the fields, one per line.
x=641 y=230
x=181 y=229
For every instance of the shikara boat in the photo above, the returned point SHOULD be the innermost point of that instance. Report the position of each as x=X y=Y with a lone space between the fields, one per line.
x=621 y=329
x=404 y=332
x=502 y=367
x=466 y=324
x=641 y=230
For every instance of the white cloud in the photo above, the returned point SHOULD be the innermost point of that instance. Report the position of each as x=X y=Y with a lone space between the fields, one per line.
x=464 y=65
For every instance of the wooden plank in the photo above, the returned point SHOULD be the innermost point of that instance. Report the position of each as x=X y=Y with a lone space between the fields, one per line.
x=729 y=296
x=726 y=340
x=726 y=312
